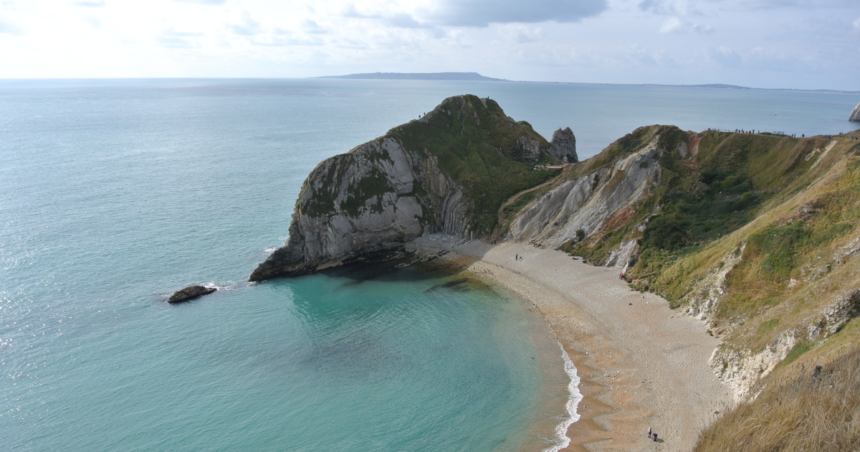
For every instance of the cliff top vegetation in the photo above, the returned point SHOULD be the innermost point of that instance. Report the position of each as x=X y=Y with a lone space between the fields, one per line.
x=488 y=153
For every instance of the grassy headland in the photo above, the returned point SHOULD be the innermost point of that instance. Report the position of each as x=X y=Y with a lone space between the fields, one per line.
x=489 y=154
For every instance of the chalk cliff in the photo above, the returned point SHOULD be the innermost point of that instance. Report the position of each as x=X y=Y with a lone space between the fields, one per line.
x=446 y=172
x=586 y=202
x=855 y=114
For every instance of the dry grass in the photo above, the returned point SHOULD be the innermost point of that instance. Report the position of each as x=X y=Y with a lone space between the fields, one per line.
x=806 y=414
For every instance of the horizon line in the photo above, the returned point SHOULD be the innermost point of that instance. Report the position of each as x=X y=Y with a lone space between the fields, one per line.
x=494 y=80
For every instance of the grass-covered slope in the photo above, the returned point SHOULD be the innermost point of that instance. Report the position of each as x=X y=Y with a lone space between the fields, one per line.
x=791 y=204
x=486 y=152
x=810 y=411
x=758 y=235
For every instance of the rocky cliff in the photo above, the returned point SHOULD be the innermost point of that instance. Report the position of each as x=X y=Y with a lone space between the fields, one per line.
x=447 y=172
x=586 y=202
x=753 y=234
x=563 y=146
x=855 y=114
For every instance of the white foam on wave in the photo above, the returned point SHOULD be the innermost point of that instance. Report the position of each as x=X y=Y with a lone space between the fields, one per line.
x=221 y=287
x=270 y=250
x=572 y=404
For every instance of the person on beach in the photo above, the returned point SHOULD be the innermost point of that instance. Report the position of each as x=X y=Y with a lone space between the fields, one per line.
x=516 y=257
x=649 y=432
x=655 y=437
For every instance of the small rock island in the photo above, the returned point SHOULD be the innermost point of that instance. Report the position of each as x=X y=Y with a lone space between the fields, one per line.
x=855 y=114
x=189 y=293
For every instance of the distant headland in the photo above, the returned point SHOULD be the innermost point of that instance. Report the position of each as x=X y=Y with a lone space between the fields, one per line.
x=447 y=76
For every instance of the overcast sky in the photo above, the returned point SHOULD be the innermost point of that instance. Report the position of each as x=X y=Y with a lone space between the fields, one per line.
x=761 y=43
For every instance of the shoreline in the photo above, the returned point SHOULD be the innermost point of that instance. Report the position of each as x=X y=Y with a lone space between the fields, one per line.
x=640 y=364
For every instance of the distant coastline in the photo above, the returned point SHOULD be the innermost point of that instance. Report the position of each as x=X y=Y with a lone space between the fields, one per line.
x=446 y=76
x=476 y=77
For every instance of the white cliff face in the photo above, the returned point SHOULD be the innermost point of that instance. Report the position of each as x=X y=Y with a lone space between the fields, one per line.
x=855 y=114
x=374 y=197
x=587 y=202
x=620 y=257
x=740 y=370
x=704 y=297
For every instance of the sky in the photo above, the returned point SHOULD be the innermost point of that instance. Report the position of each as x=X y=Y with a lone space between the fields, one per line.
x=801 y=44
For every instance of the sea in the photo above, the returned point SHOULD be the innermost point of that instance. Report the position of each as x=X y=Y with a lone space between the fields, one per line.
x=115 y=193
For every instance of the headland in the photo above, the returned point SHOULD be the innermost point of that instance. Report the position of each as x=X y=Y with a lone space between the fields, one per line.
x=740 y=250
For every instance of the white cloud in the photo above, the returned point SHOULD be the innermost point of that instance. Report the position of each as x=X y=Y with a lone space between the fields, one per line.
x=203 y=2
x=91 y=4
x=668 y=7
x=671 y=24
x=248 y=27
x=726 y=57
x=312 y=27
x=613 y=41
x=9 y=27
x=676 y=25
x=482 y=13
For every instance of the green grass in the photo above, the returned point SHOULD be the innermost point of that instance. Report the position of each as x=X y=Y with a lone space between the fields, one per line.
x=768 y=325
x=796 y=352
x=521 y=202
x=479 y=147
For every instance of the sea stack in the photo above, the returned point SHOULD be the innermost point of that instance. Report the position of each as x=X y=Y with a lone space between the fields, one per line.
x=449 y=171
x=855 y=114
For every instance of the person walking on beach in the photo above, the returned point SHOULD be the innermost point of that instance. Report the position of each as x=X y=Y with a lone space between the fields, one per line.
x=649 y=432
x=516 y=257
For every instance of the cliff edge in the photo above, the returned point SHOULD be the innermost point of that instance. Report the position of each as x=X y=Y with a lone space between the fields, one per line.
x=448 y=171
x=754 y=234
x=855 y=114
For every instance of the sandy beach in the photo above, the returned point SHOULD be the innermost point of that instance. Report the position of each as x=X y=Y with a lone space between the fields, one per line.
x=641 y=365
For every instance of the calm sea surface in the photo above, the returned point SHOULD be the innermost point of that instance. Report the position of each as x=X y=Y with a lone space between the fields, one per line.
x=113 y=194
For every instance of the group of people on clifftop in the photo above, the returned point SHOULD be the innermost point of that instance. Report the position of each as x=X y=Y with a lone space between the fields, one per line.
x=793 y=135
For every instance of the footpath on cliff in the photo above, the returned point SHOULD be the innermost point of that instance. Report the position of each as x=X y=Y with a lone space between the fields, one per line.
x=640 y=364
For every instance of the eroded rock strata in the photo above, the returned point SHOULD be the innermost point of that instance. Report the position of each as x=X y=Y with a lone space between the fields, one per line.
x=446 y=172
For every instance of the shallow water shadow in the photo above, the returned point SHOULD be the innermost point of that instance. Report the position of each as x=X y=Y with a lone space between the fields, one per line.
x=448 y=284
x=406 y=268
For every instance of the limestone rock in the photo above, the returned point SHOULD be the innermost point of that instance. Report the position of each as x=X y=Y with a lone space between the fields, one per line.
x=448 y=171
x=587 y=202
x=377 y=196
x=189 y=293
x=855 y=114
x=563 y=146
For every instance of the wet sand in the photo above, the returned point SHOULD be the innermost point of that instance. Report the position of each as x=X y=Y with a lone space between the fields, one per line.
x=641 y=365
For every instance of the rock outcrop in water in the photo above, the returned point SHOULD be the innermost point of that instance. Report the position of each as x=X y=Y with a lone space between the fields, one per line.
x=189 y=293
x=447 y=172
x=855 y=114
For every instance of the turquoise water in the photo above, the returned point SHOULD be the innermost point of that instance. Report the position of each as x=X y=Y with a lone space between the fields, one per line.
x=113 y=194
